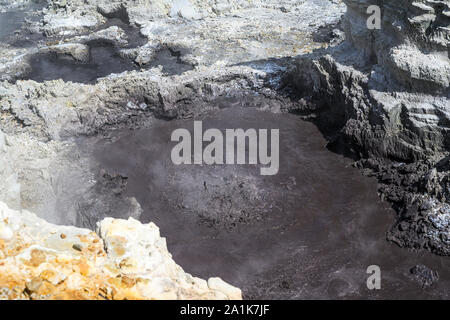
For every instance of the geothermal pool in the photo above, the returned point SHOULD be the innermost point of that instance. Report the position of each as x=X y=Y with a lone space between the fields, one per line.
x=10 y=22
x=309 y=232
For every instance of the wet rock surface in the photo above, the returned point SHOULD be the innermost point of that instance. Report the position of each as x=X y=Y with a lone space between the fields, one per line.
x=383 y=103
x=15 y=18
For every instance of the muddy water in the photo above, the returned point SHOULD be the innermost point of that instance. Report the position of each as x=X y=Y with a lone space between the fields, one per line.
x=170 y=62
x=13 y=20
x=105 y=58
x=309 y=232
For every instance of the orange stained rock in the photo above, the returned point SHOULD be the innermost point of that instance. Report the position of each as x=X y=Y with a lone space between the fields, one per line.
x=84 y=268
x=37 y=257
x=119 y=250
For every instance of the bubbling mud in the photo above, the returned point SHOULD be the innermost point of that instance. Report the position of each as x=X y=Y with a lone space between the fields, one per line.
x=13 y=21
x=309 y=232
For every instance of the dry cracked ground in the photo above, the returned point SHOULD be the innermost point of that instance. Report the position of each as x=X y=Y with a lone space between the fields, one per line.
x=91 y=90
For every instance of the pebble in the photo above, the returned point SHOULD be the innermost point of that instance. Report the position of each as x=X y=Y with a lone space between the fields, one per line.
x=77 y=247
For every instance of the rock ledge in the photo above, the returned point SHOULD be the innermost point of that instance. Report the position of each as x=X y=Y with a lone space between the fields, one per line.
x=125 y=260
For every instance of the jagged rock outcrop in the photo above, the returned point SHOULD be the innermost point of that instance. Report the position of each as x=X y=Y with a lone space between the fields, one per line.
x=125 y=260
x=383 y=96
x=412 y=45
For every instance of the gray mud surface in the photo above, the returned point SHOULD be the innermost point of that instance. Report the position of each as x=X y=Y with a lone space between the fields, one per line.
x=312 y=230
x=12 y=21
x=104 y=60
x=309 y=232
x=170 y=61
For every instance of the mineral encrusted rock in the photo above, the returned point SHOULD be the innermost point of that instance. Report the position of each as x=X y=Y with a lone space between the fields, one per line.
x=125 y=260
x=383 y=96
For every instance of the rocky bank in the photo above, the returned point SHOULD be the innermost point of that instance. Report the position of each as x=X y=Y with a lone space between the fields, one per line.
x=382 y=97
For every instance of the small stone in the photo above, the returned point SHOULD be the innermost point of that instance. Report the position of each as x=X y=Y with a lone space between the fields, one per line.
x=77 y=247
x=63 y=236
x=403 y=226
x=426 y=205
x=34 y=284
x=84 y=268
x=424 y=275
x=55 y=278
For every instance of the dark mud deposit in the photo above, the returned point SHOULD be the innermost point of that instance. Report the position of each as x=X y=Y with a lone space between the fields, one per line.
x=170 y=61
x=309 y=232
x=104 y=60
x=11 y=23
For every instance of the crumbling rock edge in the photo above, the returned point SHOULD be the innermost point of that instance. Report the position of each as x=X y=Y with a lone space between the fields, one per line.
x=123 y=260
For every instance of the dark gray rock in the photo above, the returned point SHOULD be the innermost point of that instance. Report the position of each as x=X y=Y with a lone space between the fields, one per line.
x=424 y=275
